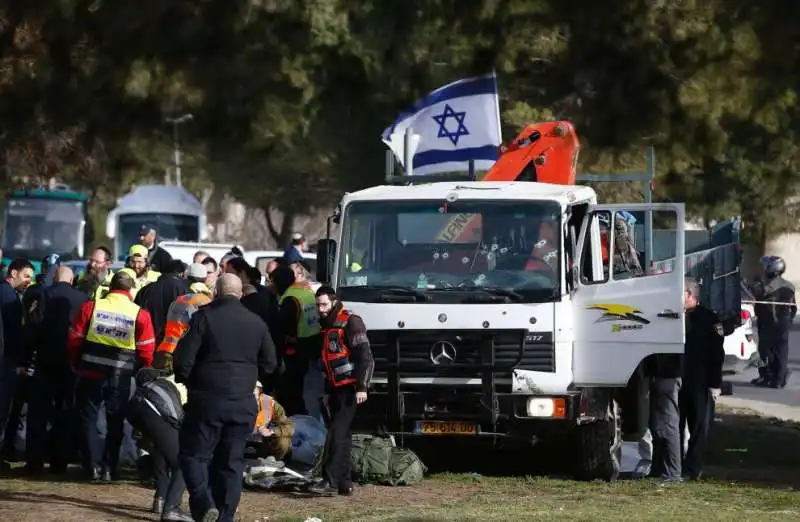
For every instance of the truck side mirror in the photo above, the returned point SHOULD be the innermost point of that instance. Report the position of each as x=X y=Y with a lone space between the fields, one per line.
x=326 y=259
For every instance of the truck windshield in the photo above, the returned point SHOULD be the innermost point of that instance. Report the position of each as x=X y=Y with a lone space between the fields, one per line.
x=457 y=251
x=36 y=227
x=170 y=227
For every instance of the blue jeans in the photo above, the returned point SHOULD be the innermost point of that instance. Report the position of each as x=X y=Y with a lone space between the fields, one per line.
x=8 y=387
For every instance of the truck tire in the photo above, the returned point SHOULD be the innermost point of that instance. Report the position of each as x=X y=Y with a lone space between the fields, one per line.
x=599 y=448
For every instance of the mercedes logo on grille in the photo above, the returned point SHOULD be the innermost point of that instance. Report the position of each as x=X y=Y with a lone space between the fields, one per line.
x=443 y=353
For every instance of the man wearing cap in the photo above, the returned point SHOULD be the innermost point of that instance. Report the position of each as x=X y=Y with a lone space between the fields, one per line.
x=295 y=251
x=158 y=258
x=139 y=262
x=110 y=339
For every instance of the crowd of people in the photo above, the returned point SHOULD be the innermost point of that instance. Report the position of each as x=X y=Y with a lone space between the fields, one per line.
x=203 y=359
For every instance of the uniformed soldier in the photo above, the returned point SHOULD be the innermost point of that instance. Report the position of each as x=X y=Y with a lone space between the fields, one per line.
x=774 y=322
x=702 y=377
x=298 y=324
x=348 y=363
x=626 y=258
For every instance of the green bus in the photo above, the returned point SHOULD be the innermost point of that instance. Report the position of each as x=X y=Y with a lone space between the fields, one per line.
x=41 y=221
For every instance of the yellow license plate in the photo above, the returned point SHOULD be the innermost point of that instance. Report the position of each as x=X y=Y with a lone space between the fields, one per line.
x=446 y=428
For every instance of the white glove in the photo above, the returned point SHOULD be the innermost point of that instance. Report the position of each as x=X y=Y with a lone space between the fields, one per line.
x=716 y=393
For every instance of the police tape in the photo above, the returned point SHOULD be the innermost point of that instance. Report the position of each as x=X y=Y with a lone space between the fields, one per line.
x=769 y=303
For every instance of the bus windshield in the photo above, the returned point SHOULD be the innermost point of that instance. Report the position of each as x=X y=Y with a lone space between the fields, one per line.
x=170 y=227
x=36 y=227
x=469 y=245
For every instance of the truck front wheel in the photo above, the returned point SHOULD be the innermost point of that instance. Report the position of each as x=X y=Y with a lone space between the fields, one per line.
x=598 y=447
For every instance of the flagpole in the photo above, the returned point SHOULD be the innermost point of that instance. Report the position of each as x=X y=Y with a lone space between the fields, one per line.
x=497 y=106
x=408 y=157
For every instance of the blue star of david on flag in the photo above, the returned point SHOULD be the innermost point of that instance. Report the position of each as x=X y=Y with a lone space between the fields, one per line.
x=443 y=138
x=444 y=131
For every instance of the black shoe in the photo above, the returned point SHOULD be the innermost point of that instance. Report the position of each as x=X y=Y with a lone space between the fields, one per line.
x=34 y=469
x=57 y=469
x=158 y=505
x=346 y=492
x=323 y=488
x=177 y=515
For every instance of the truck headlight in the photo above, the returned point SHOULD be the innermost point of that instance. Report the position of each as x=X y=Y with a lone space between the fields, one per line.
x=546 y=407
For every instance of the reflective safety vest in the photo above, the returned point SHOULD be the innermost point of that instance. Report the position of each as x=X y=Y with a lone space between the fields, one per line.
x=265 y=406
x=110 y=343
x=339 y=368
x=178 y=315
x=308 y=322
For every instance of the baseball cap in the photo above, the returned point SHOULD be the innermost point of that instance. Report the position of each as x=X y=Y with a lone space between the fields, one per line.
x=146 y=229
x=197 y=270
x=138 y=250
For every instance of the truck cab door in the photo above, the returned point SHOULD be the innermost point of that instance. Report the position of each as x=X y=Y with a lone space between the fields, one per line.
x=623 y=311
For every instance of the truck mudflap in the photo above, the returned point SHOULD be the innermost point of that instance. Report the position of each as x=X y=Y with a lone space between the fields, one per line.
x=717 y=268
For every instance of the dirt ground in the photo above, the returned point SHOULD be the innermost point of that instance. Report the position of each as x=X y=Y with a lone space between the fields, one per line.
x=753 y=469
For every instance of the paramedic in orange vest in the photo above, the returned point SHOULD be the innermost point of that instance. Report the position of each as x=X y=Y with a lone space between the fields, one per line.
x=110 y=339
x=180 y=311
x=347 y=359
x=273 y=430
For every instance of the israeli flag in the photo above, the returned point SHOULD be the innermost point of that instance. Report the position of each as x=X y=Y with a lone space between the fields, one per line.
x=451 y=126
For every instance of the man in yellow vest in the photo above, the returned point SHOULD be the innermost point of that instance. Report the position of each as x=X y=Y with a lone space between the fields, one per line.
x=110 y=338
x=299 y=331
x=138 y=262
x=95 y=280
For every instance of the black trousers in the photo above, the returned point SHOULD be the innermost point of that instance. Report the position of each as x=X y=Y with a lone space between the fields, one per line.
x=290 y=385
x=665 y=428
x=90 y=394
x=697 y=412
x=51 y=400
x=212 y=442
x=778 y=359
x=166 y=441
x=337 y=468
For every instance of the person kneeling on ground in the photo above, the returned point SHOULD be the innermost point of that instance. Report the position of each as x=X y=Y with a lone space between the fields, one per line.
x=273 y=430
x=156 y=411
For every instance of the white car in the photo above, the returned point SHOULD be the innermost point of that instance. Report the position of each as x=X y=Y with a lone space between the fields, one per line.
x=741 y=348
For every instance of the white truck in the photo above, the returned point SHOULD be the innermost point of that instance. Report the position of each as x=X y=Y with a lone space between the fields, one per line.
x=175 y=212
x=516 y=331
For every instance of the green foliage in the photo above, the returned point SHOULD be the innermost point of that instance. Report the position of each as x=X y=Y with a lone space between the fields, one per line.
x=289 y=98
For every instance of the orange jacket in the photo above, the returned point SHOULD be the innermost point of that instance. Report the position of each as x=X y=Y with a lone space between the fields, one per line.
x=178 y=315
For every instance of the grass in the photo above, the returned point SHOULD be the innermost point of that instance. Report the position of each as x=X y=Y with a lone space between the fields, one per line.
x=752 y=466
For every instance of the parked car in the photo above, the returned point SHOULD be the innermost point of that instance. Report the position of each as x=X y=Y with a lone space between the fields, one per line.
x=741 y=347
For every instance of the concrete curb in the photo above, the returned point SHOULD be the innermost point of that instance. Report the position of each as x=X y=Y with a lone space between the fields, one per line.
x=770 y=409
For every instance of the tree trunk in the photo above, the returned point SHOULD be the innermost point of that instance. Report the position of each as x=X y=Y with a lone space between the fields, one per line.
x=282 y=234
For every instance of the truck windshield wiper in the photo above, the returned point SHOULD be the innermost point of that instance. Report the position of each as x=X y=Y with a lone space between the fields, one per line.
x=484 y=294
x=390 y=292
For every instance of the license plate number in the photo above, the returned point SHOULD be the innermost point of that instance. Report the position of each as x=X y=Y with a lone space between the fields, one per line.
x=446 y=428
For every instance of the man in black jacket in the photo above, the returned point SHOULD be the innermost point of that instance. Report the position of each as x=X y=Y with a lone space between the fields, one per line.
x=51 y=393
x=156 y=297
x=220 y=359
x=158 y=258
x=702 y=378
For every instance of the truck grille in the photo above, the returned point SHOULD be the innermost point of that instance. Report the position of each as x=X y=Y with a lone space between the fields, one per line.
x=472 y=352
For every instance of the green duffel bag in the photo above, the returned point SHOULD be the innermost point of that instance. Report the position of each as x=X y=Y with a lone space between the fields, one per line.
x=376 y=460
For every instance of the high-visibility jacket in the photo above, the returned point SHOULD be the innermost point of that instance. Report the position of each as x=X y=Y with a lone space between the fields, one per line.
x=151 y=276
x=308 y=322
x=265 y=407
x=178 y=315
x=339 y=368
x=110 y=343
